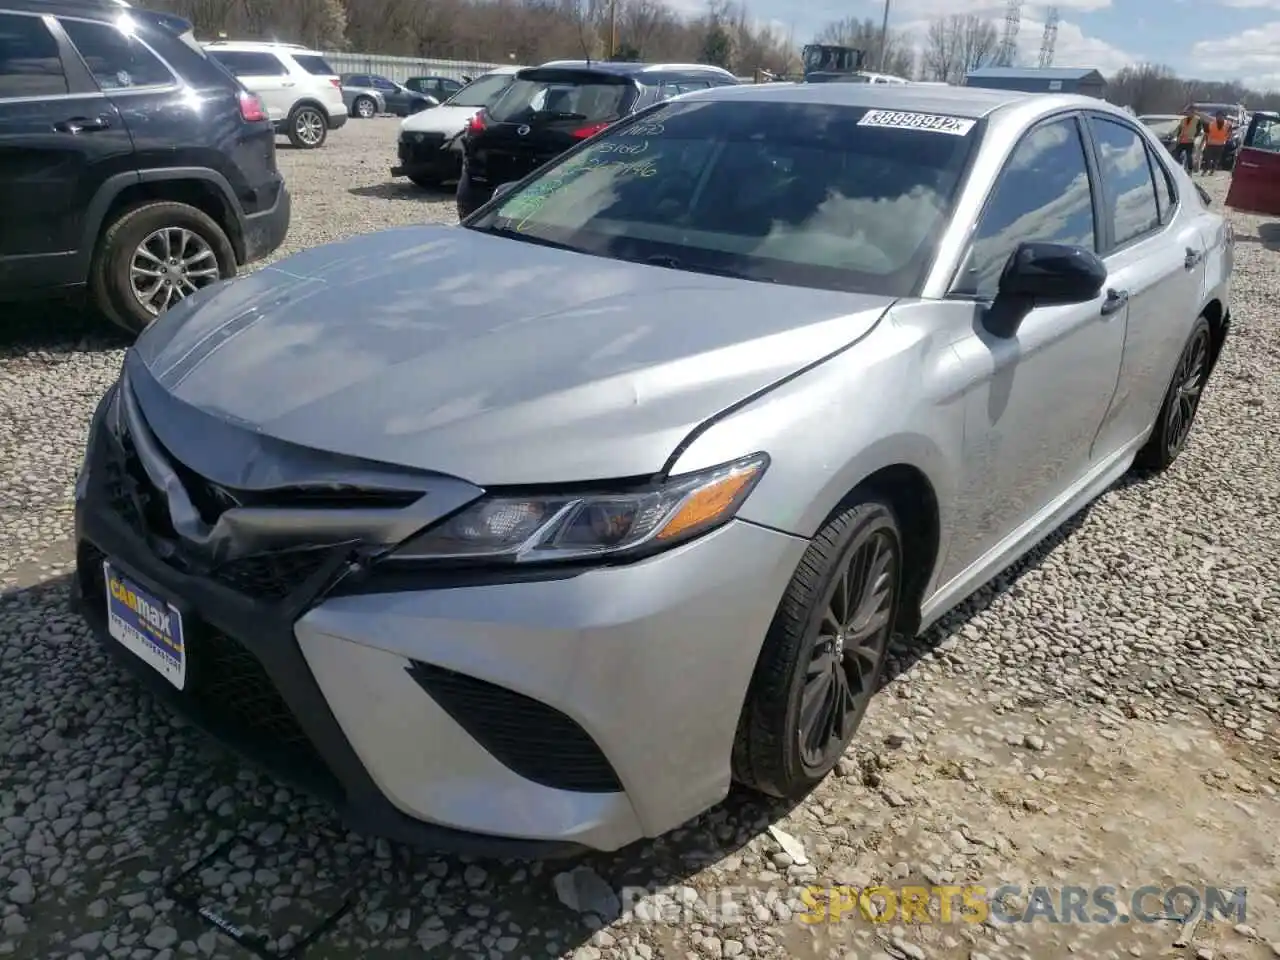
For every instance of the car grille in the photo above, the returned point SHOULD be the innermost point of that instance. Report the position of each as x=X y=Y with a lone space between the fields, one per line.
x=269 y=575
x=420 y=146
x=527 y=736
x=227 y=687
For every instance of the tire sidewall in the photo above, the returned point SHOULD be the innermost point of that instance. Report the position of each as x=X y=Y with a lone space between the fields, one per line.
x=118 y=256
x=1168 y=455
x=876 y=517
x=362 y=102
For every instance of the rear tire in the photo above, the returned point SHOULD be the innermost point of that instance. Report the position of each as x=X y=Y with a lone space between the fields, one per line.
x=793 y=728
x=1181 y=402
x=307 y=127
x=131 y=249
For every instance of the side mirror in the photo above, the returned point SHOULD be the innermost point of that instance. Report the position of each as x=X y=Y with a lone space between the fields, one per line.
x=503 y=188
x=1041 y=275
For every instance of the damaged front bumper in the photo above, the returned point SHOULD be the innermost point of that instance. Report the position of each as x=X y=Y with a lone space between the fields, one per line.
x=493 y=713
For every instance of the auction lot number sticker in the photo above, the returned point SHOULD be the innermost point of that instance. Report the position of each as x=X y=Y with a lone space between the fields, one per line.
x=928 y=122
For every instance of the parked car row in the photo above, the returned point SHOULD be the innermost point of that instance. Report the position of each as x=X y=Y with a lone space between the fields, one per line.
x=510 y=122
x=368 y=94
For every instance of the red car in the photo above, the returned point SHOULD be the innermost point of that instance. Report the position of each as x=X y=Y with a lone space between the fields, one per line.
x=1255 y=182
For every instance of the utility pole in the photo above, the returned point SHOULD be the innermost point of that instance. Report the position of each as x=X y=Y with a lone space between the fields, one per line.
x=884 y=38
x=613 y=28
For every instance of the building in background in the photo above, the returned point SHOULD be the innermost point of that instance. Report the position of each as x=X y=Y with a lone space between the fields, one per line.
x=1083 y=80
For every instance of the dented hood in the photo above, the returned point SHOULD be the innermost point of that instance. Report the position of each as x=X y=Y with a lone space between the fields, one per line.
x=491 y=359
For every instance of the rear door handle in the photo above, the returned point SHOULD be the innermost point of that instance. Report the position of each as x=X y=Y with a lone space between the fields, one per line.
x=1192 y=258
x=1116 y=301
x=82 y=124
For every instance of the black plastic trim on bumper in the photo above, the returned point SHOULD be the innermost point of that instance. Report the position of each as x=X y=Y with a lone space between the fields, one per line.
x=265 y=231
x=362 y=807
x=338 y=120
x=445 y=168
x=528 y=737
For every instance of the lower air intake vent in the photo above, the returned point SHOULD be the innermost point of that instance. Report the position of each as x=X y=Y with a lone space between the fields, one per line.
x=532 y=739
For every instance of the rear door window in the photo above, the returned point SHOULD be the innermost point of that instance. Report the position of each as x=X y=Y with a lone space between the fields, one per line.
x=1126 y=178
x=315 y=65
x=29 y=62
x=116 y=60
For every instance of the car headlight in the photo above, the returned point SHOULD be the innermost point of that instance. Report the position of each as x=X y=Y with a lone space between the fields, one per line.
x=534 y=529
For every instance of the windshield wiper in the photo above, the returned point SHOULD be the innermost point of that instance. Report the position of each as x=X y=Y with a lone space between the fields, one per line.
x=557 y=115
x=675 y=263
x=515 y=234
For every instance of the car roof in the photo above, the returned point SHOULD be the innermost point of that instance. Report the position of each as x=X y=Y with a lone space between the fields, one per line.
x=629 y=69
x=969 y=102
x=80 y=7
x=233 y=46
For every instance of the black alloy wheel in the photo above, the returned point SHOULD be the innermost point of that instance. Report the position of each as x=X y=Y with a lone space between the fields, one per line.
x=849 y=645
x=1181 y=402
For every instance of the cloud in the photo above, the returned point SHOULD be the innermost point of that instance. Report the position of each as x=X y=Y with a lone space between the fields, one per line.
x=1073 y=47
x=1257 y=48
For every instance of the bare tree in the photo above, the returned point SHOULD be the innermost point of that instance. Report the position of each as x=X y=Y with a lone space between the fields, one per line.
x=899 y=59
x=1148 y=88
x=956 y=44
x=941 y=59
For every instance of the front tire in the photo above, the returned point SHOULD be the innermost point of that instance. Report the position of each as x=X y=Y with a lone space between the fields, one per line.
x=824 y=654
x=1181 y=402
x=308 y=127
x=153 y=256
x=364 y=108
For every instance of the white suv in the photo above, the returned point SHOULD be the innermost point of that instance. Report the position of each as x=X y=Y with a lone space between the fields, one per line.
x=300 y=90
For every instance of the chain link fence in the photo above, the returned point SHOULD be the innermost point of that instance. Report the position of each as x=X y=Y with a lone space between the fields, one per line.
x=402 y=68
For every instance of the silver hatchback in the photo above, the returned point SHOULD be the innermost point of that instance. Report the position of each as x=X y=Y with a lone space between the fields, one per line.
x=540 y=531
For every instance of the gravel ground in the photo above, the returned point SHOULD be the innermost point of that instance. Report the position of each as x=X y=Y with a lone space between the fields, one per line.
x=1105 y=715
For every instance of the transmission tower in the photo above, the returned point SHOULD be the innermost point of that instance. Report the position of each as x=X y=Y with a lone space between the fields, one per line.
x=1050 y=38
x=1008 y=52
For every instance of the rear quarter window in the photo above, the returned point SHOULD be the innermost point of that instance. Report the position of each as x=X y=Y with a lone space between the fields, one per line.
x=315 y=65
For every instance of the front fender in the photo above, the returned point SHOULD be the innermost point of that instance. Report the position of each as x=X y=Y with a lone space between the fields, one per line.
x=886 y=401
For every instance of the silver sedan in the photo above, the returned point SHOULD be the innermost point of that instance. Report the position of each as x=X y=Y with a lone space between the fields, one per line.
x=539 y=532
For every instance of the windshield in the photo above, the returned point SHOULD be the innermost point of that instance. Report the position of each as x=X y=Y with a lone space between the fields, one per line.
x=480 y=91
x=563 y=97
x=840 y=197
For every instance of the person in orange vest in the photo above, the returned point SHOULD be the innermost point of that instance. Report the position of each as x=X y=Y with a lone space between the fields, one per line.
x=1189 y=130
x=1215 y=143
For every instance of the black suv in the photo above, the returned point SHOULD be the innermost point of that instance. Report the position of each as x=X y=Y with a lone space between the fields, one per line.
x=130 y=163
x=550 y=108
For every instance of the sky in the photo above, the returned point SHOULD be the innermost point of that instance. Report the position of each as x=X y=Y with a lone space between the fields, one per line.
x=1207 y=39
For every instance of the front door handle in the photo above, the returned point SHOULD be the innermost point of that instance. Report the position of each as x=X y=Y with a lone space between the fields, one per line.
x=1192 y=258
x=288 y=83
x=1116 y=301
x=82 y=124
